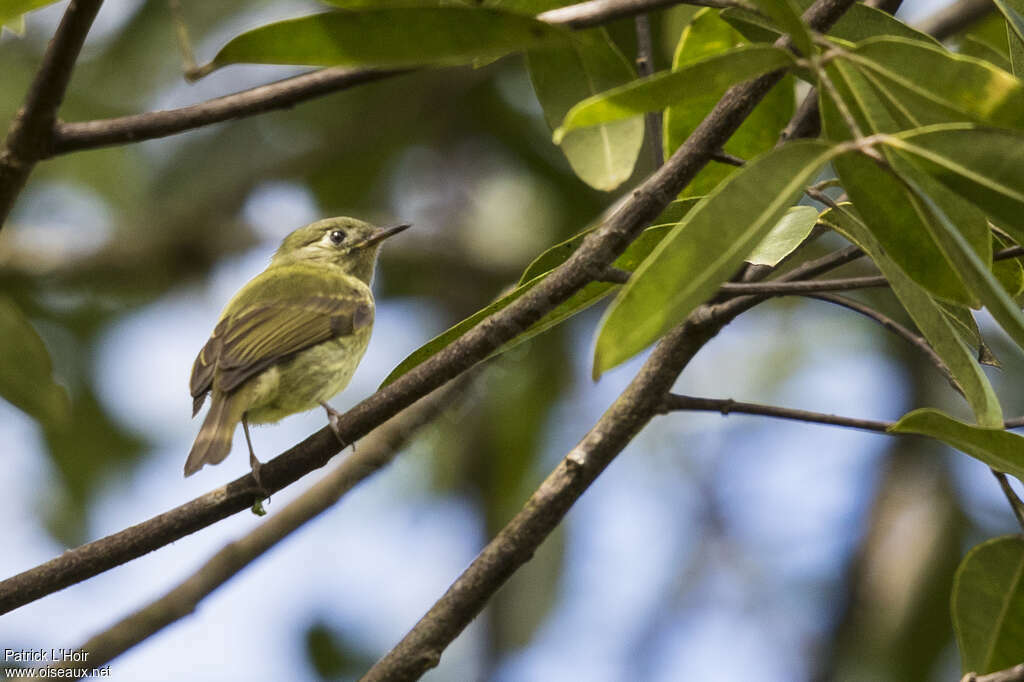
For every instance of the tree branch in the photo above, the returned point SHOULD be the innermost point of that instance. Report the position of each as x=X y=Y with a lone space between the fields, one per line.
x=374 y=453
x=515 y=544
x=283 y=94
x=645 y=67
x=598 y=249
x=782 y=288
x=726 y=406
x=29 y=136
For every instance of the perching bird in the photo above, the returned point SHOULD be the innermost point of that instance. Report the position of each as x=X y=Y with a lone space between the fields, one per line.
x=291 y=338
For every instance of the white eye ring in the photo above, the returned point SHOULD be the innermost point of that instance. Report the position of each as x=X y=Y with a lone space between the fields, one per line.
x=337 y=237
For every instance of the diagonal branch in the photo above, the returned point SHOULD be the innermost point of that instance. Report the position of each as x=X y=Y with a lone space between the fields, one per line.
x=29 y=136
x=374 y=453
x=513 y=546
x=600 y=248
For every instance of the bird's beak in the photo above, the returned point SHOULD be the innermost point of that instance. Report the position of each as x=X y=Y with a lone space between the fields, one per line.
x=381 y=234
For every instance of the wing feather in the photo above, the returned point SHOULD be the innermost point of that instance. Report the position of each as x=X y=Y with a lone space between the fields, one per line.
x=263 y=334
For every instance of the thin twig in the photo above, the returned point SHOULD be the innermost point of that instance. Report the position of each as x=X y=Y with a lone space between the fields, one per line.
x=375 y=452
x=895 y=327
x=30 y=134
x=283 y=94
x=726 y=406
x=722 y=156
x=778 y=288
x=645 y=67
x=1011 y=496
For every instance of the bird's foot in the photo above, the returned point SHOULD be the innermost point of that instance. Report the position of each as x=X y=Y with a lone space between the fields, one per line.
x=334 y=421
x=260 y=492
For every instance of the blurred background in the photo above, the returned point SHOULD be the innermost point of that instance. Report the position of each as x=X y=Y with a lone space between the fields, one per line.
x=719 y=548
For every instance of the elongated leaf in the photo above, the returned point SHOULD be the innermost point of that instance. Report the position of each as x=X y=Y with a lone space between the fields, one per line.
x=931 y=319
x=705 y=36
x=998 y=448
x=690 y=263
x=389 y=37
x=982 y=164
x=987 y=603
x=602 y=156
x=1013 y=11
x=962 y=87
x=581 y=300
x=975 y=272
x=666 y=88
x=884 y=204
x=787 y=234
x=1016 y=47
x=26 y=379
x=559 y=253
x=858 y=23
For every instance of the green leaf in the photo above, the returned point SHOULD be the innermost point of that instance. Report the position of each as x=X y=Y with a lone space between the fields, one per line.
x=987 y=603
x=858 y=23
x=716 y=73
x=1013 y=11
x=786 y=16
x=966 y=327
x=787 y=234
x=884 y=204
x=12 y=13
x=26 y=373
x=389 y=37
x=981 y=164
x=581 y=300
x=998 y=448
x=708 y=35
x=559 y=253
x=957 y=86
x=1016 y=46
x=602 y=156
x=938 y=327
x=689 y=264
x=972 y=47
x=975 y=272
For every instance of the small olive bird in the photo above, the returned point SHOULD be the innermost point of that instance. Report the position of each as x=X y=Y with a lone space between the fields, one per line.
x=291 y=338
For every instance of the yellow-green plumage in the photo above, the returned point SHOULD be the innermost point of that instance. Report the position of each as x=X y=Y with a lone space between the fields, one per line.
x=292 y=337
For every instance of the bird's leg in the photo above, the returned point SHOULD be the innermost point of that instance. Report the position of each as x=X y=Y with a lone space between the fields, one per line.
x=334 y=419
x=253 y=462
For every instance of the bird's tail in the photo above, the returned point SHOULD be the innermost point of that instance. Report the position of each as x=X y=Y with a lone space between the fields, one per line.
x=214 y=440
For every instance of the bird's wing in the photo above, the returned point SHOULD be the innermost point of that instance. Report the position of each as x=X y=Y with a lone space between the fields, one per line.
x=260 y=335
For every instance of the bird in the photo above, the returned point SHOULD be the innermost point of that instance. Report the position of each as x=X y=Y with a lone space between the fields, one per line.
x=290 y=339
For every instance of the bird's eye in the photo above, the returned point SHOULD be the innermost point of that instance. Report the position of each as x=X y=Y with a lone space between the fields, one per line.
x=337 y=237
